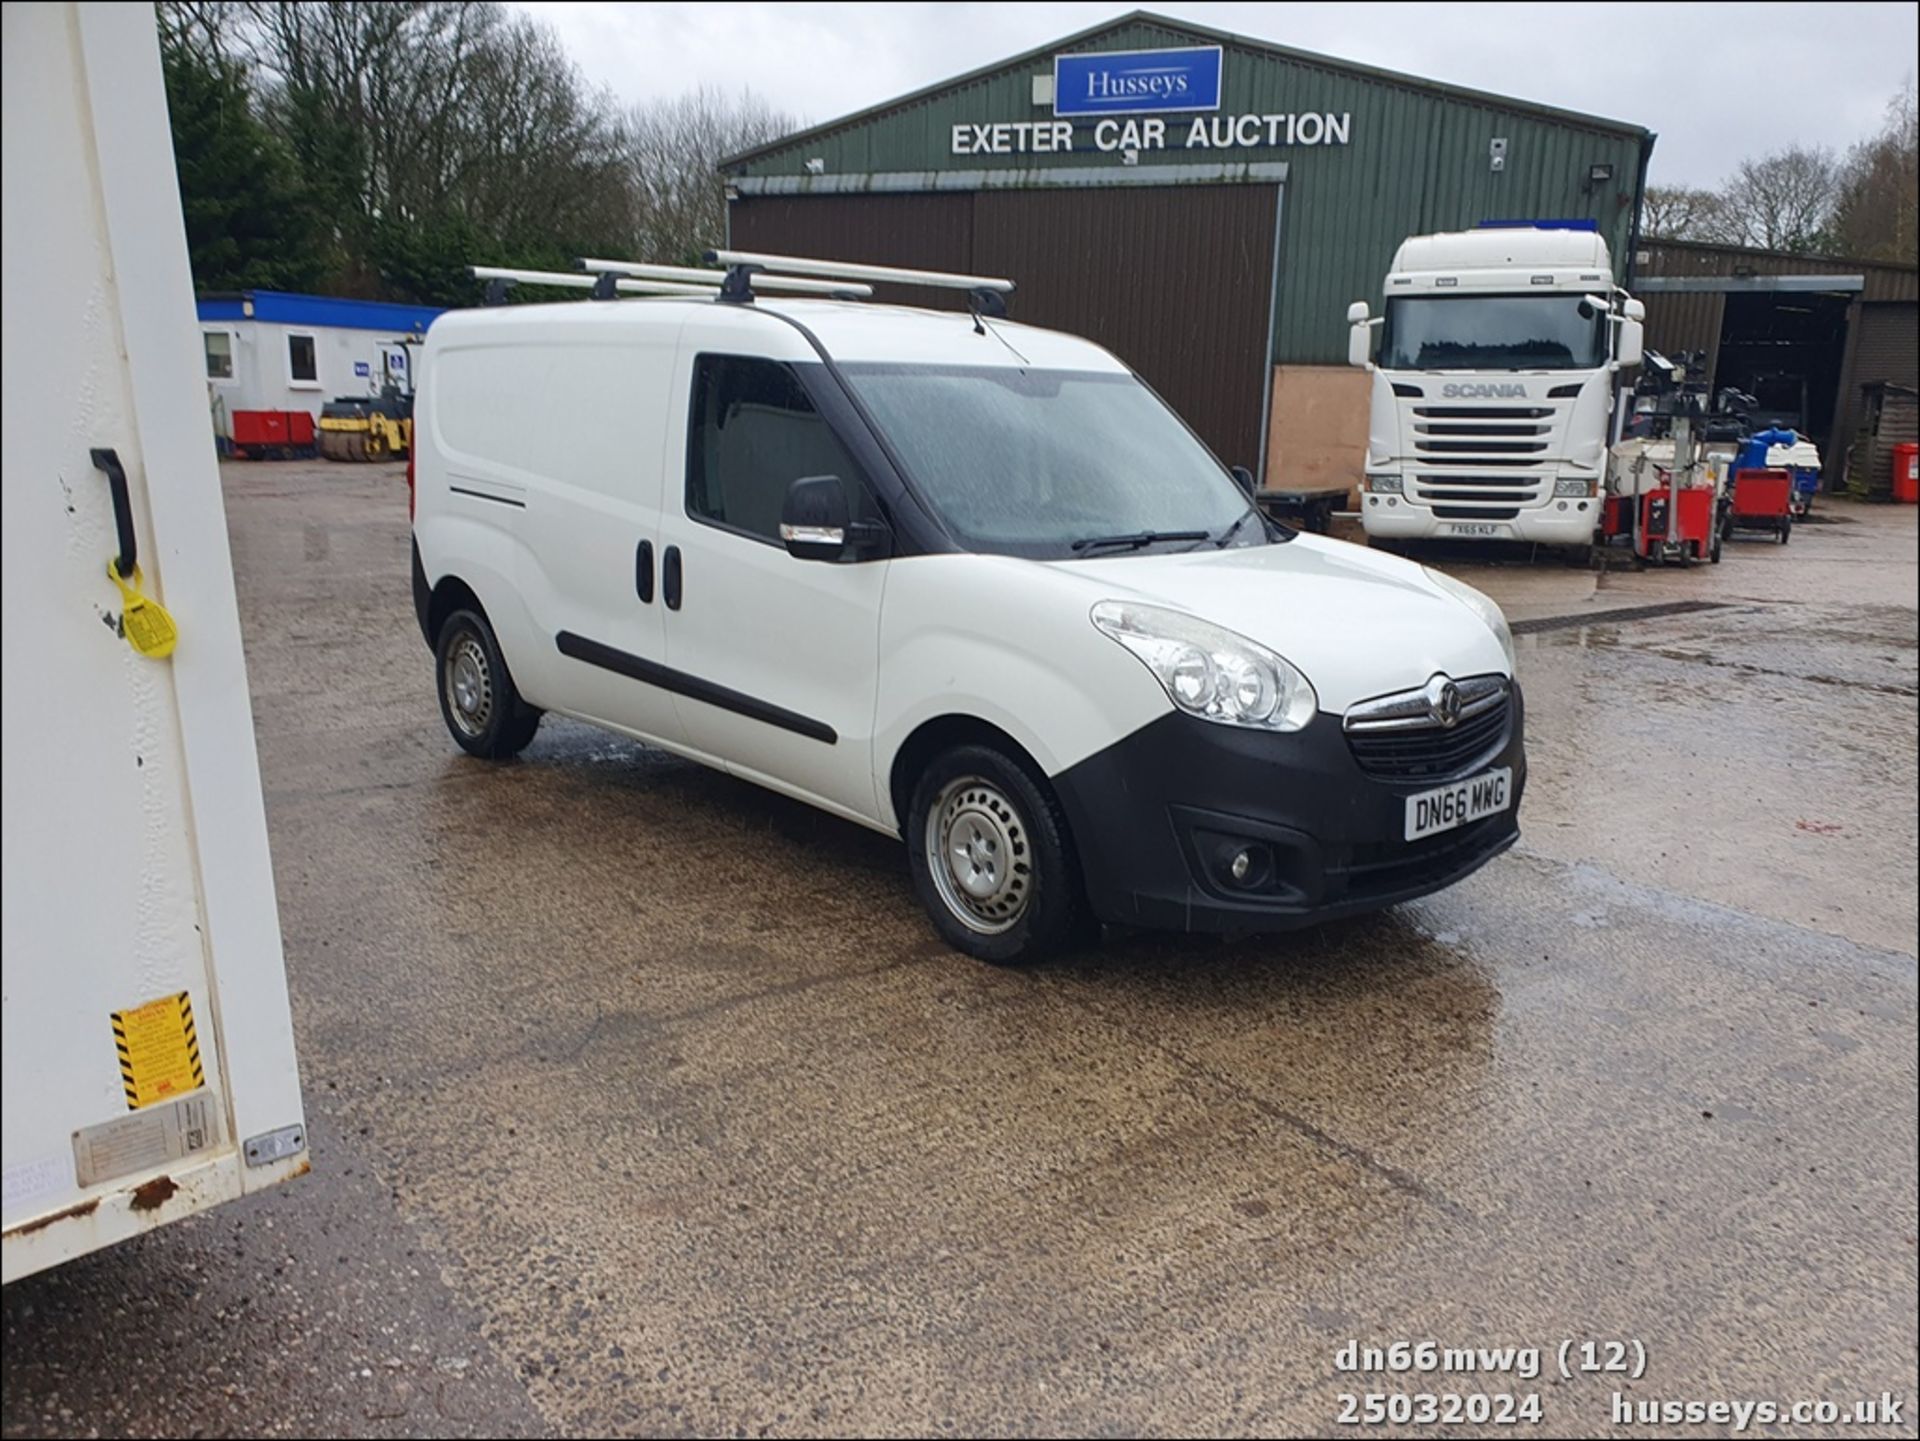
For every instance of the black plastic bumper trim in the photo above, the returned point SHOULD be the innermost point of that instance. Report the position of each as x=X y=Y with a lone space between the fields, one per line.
x=634 y=667
x=1154 y=814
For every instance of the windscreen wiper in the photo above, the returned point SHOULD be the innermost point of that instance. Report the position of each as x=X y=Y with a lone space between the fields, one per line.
x=1139 y=538
x=1274 y=530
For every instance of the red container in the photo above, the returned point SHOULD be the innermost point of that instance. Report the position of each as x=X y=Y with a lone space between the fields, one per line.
x=259 y=427
x=1906 y=472
x=299 y=427
x=1760 y=493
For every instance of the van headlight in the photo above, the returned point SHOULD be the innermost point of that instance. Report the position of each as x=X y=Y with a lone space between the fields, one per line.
x=1481 y=606
x=1207 y=670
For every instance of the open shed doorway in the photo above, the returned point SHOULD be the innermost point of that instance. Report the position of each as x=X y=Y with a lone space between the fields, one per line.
x=1786 y=349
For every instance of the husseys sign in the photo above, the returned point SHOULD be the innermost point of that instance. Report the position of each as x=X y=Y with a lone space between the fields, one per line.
x=1134 y=101
x=1137 y=82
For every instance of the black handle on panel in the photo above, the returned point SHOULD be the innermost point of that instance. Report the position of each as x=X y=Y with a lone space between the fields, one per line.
x=670 y=577
x=643 y=571
x=129 y=557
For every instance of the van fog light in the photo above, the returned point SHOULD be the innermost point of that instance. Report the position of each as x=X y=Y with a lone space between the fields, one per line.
x=1247 y=867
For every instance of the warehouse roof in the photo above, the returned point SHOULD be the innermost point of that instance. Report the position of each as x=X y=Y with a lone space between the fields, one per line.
x=1882 y=279
x=1206 y=34
x=290 y=308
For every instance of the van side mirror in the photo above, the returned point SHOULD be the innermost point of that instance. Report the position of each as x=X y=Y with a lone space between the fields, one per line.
x=1243 y=478
x=814 y=519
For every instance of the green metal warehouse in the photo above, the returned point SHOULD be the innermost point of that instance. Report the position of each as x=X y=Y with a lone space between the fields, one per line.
x=1204 y=204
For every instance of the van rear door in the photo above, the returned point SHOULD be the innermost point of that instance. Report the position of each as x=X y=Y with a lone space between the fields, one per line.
x=588 y=565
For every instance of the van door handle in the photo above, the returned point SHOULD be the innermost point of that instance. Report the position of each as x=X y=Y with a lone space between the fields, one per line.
x=670 y=577
x=643 y=571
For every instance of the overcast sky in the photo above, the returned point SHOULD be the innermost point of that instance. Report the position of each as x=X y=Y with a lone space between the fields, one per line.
x=1717 y=82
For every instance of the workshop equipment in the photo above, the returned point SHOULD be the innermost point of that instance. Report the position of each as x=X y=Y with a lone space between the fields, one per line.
x=1762 y=499
x=1666 y=491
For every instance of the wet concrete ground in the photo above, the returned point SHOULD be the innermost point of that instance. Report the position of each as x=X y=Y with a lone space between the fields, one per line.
x=644 y=1101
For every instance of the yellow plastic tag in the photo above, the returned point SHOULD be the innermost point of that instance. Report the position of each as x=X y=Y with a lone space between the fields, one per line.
x=145 y=622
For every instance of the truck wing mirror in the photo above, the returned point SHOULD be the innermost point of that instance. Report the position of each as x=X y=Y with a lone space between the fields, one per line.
x=1360 y=343
x=1627 y=344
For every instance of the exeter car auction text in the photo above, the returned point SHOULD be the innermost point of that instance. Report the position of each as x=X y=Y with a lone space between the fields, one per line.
x=1203 y=132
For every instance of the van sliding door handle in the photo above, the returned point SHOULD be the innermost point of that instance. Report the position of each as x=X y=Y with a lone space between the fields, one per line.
x=670 y=577
x=643 y=571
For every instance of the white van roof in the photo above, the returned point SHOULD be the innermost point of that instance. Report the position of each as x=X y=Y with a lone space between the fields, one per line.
x=850 y=331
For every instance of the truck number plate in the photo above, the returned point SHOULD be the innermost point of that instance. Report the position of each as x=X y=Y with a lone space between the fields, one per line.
x=1434 y=811
x=1485 y=529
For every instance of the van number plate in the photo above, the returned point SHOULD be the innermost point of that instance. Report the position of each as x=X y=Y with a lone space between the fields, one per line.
x=1485 y=529
x=1432 y=812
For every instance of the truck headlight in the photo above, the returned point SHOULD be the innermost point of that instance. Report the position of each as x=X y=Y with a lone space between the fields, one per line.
x=1571 y=486
x=1481 y=606
x=1385 y=485
x=1207 y=670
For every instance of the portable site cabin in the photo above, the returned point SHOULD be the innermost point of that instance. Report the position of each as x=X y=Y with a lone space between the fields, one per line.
x=275 y=351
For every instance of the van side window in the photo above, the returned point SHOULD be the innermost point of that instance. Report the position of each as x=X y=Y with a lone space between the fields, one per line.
x=753 y=433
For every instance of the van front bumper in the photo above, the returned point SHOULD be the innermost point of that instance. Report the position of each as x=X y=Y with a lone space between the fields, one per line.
x=1158 y=816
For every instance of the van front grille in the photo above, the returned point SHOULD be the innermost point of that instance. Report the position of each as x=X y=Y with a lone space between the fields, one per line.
x=1434 y=752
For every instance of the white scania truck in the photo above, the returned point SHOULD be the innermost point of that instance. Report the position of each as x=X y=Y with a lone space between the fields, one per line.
x=1493 y=384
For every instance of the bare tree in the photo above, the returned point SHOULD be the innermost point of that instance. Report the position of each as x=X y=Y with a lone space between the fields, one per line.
x=1686 y=212
x=1878 y=213
x=1785 y=200
x=674 y=149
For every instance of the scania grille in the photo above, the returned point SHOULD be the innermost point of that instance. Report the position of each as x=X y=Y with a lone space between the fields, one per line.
x=1455 y=488
x=1412 y=746
x=1482 y=435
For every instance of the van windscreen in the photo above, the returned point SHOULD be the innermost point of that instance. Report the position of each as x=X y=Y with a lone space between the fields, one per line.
x=1027 y=462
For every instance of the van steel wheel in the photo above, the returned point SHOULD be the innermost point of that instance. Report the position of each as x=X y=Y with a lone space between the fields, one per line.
x=469 y=684
x=992 y=859
x=981 y=861
x=483 y=711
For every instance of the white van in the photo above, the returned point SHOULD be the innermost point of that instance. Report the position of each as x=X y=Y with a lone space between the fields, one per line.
x=963 y=581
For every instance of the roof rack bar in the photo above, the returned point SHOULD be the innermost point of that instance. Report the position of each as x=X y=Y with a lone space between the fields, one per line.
x=573 y=280
x=761 y=281
x=844 y=270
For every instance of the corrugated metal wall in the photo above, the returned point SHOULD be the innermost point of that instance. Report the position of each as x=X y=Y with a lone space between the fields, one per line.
x=1685 y=321
x=1417 y=162
x=1173 y=281
x=1887 y=344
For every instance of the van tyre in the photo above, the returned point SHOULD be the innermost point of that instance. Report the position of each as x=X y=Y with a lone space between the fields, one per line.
x=478 y=700
x=993 y=859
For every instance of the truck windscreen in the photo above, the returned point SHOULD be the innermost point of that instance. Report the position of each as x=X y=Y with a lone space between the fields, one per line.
x=1491 y=332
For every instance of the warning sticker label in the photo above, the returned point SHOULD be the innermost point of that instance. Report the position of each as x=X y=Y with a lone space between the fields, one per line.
x=159 y=1051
